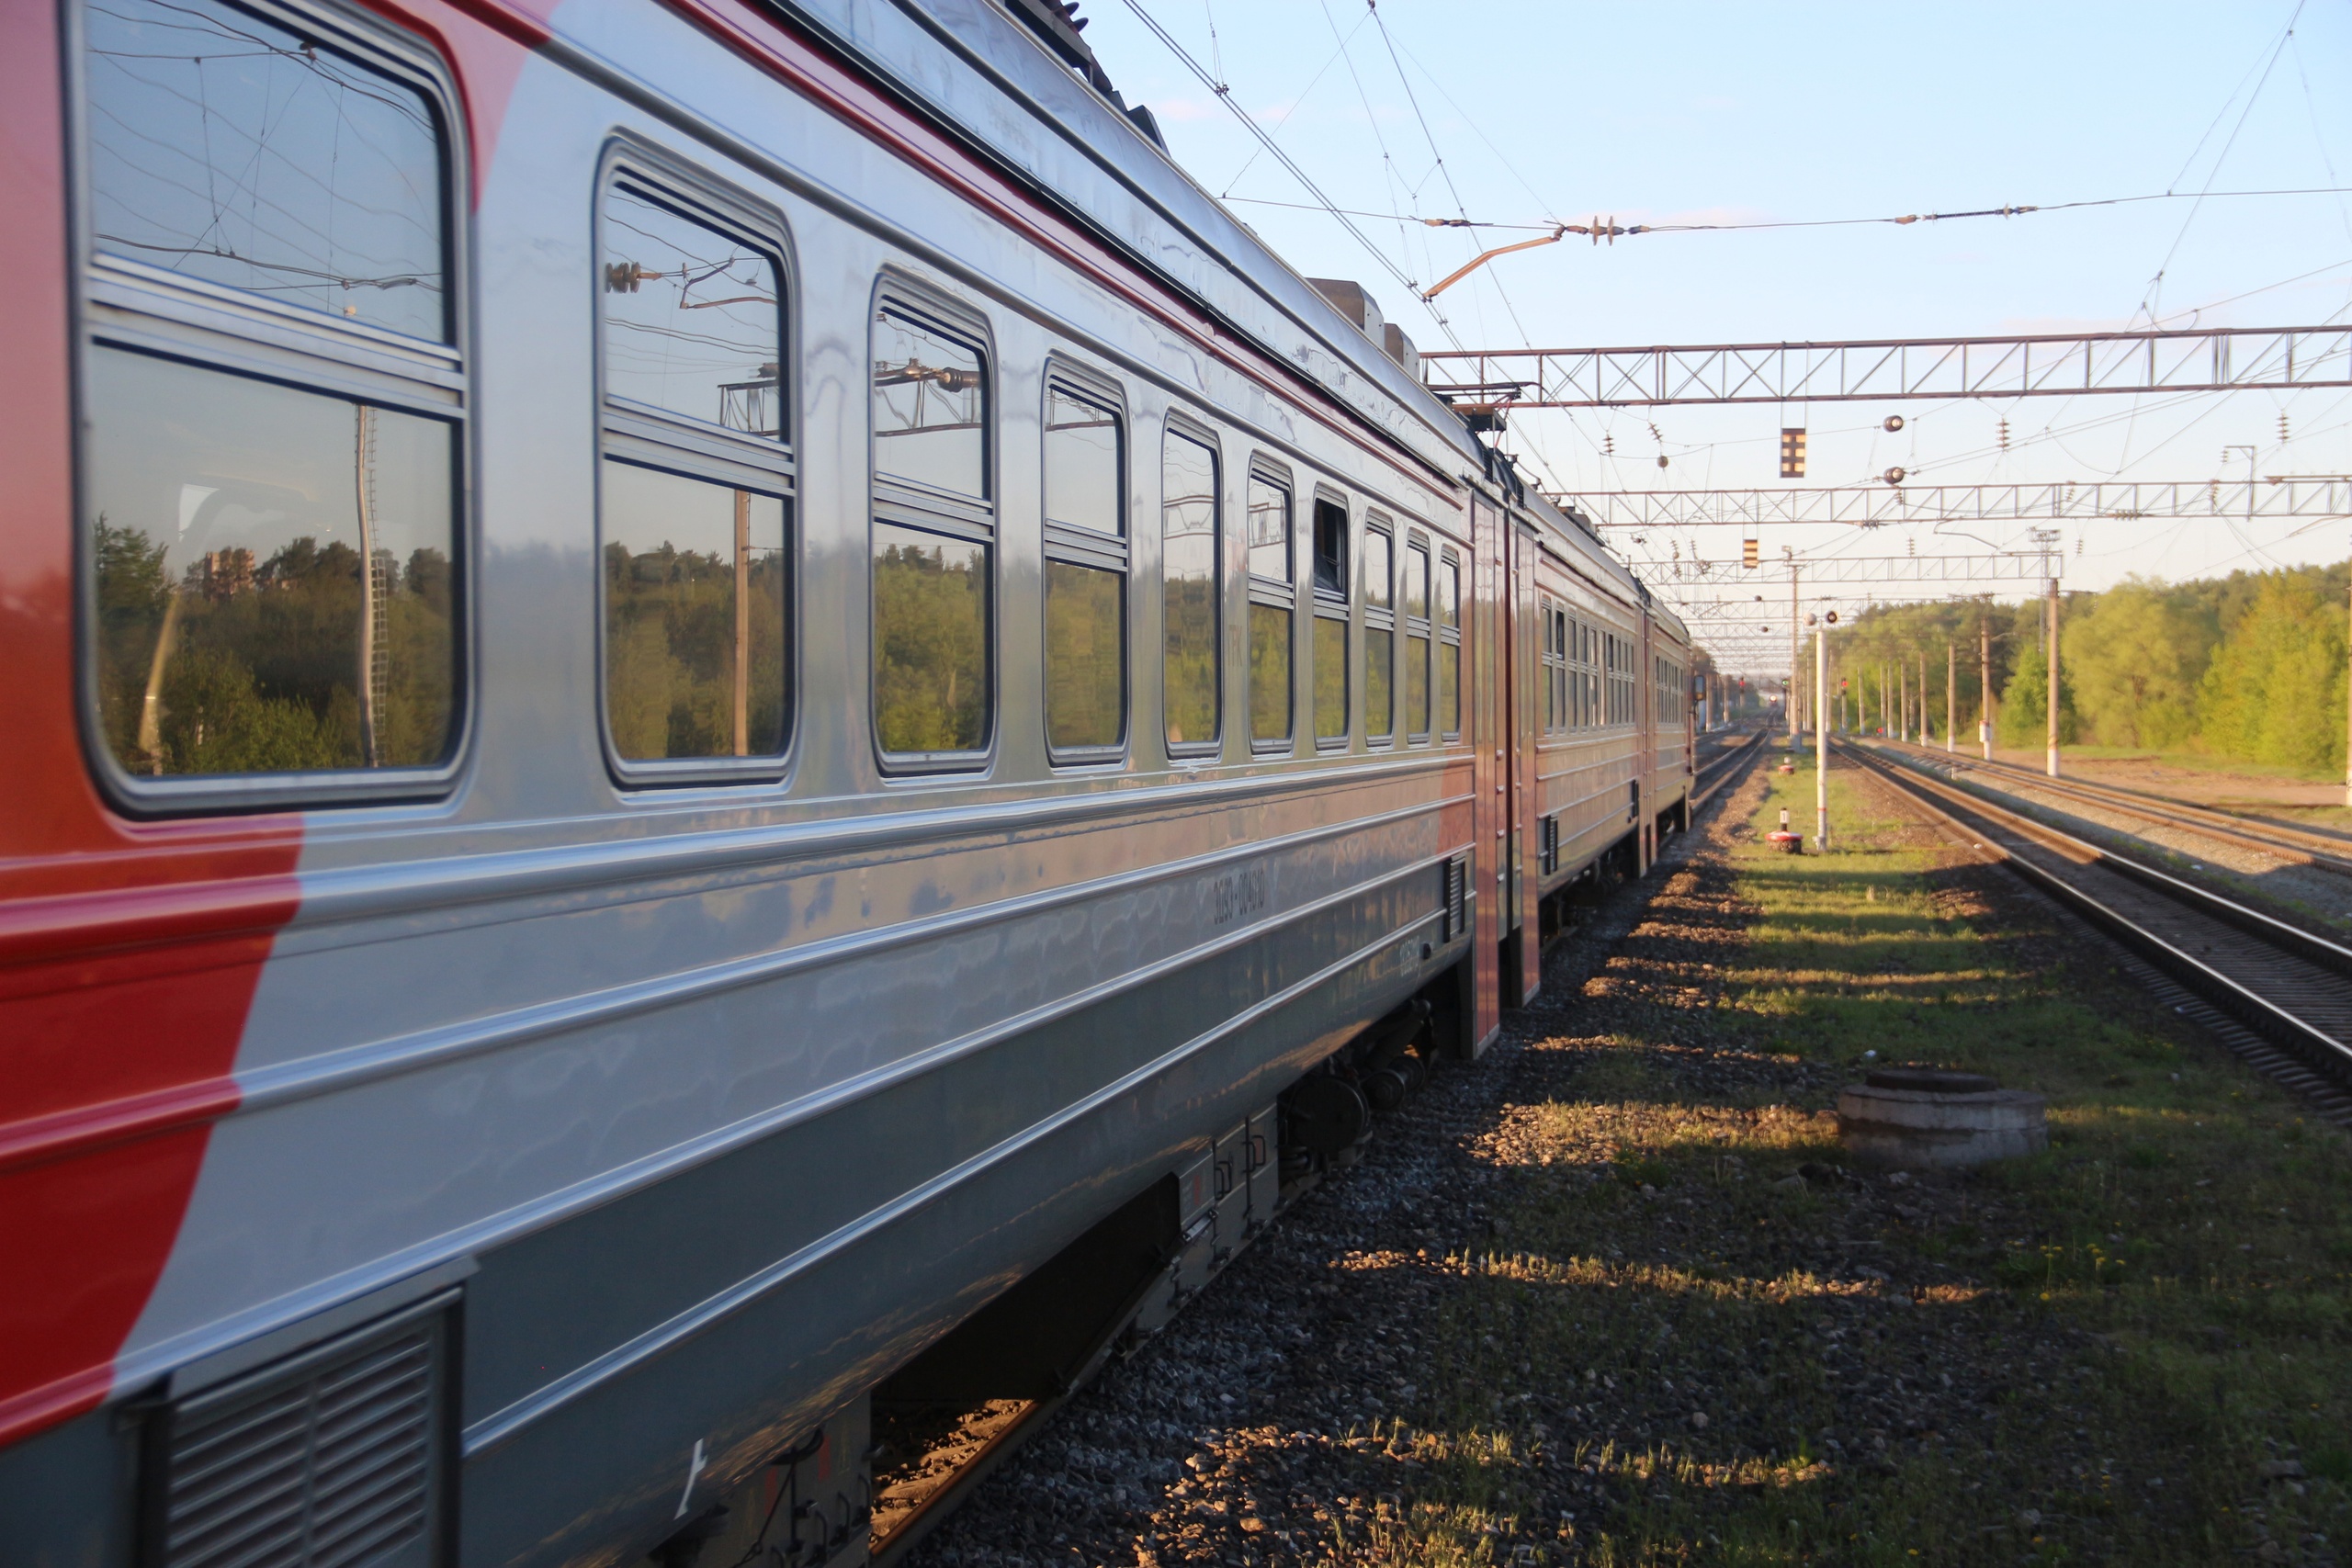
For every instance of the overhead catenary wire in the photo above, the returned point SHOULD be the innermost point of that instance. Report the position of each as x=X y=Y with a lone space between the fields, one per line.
x=1613 y=231
x=1223 y=94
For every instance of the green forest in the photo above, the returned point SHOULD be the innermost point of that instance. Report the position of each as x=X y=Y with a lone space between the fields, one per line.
x=2247 y=668
x=243 y=668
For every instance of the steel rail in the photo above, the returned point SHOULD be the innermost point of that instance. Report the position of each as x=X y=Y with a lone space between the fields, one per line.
x=1723 y=768
x=2292 y=986
x=2318 y=850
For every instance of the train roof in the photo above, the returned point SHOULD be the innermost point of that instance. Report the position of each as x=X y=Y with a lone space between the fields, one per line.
x=1030 y=98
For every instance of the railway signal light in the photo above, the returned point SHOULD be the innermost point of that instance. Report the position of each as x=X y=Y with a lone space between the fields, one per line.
x=1793 y=452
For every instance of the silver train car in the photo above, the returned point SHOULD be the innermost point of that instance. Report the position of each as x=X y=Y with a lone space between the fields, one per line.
x=724 y=723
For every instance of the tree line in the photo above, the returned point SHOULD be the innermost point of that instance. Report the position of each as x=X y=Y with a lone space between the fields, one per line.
x=2247 y=668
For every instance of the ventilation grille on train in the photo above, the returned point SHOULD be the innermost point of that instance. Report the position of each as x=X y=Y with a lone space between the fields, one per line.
x=1455 y=898
x=331 y=1459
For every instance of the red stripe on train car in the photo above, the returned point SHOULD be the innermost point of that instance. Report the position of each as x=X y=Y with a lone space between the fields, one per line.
x=129 y=953
x=84 y=1035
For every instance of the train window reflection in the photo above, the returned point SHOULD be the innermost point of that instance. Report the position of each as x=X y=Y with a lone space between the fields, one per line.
x=1416 y=579
x=694 y=582
x=226 y=147
x=1270 y=682
x=1449 y=592
x=693 y=319
x=1417 y=684
x=1330 y=678
x=1082 y=441
x=1379 y=593
x=1268 y=530
x=930 y=642
x=1085 y=657
x=930 y=407
x=1449 y=688
x=1189 y=552
x=1379 y=683
x=274 y=572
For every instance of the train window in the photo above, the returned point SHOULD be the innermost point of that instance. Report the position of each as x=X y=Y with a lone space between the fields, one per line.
x=1192 y=580
x=1449 y=644
x=1331 y=546
x=227 y=148
x=1555 y=668
x=1086 y=575
x=1379 y=633
x=933 y=538
x=1329 y=673
x=275 y=560
x=1272 y=601
x=691 y=523
x=692 y=318
x=1417 y=638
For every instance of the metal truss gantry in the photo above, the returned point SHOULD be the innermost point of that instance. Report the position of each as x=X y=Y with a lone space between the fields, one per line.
x=1873 y=506
x=2210 y=359
x=2008 y=565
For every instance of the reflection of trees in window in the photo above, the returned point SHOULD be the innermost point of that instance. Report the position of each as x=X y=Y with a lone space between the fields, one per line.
x=234 y=669
x=930 y=642
x=1330 y=678
x=671 y=652
x=1084 y=656
x=1269 y=672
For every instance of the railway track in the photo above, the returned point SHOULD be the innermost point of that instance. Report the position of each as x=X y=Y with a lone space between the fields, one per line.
x=2283 y=992
x=1724 y=767
x=2295 y=846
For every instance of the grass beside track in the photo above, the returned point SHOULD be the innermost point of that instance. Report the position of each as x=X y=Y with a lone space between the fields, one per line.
x=1693 y=1334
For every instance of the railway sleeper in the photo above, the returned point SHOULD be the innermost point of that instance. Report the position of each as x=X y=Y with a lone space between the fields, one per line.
x=875 y=1477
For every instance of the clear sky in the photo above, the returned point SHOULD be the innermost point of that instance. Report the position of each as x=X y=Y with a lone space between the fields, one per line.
x=1513 y=112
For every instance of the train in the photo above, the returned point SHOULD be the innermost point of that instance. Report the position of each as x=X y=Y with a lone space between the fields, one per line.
x=725 y=725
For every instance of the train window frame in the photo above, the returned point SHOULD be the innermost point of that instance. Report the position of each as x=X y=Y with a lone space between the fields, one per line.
x=706 y=452
x=908 y=505
x=1555 y=666
x=1419 y=629
x=1445 y=612
x=1380 y=617
x=1331 y=602
x=1179 y=426
x=1266 y=591
x=1065 y=544
x=120 y=305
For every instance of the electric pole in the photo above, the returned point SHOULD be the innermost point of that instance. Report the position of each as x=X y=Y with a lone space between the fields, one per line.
x=1952 y=694
x=1922 y=659
x=2051 y=642
x=1984 y=684
x=1821 y=737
